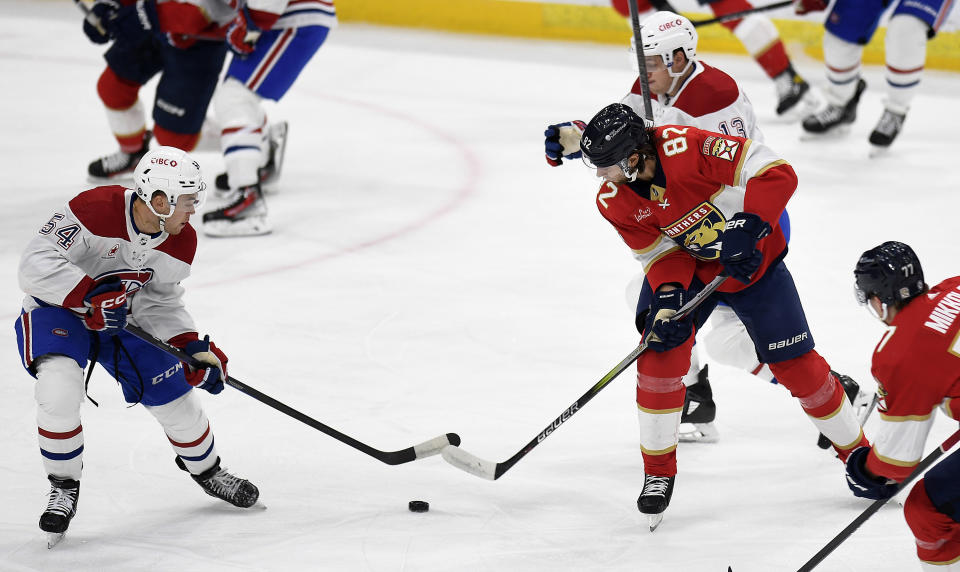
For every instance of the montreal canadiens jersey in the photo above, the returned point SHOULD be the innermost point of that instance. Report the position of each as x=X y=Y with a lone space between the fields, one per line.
x=917 y=368
x=276 y=14
x=93 y=238
x=708 y=99
x=674 y=223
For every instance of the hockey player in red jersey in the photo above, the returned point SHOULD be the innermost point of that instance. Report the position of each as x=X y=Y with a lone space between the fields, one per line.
x=760 y=38
x=109 y=256
x=182 y=40
x=917 y=368
x=691 y=204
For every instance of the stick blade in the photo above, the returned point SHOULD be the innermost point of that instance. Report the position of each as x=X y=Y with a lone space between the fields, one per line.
x=435 y=445
x=470 y=463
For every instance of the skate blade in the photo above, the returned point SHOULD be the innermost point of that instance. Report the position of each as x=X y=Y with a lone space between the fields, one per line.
x=654 y=521
x=54 y=538
x=250 y=226
x=809 y=104
x=699 y=433
x=837 y=133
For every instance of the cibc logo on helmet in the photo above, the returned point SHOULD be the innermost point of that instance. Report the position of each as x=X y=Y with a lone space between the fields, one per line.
x=163 y=161
x=669 y=25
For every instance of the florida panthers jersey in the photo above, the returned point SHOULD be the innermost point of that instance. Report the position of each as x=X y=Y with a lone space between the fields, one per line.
x=674 y=223
x=94 y=238
x=917 y=368
x=708 y=99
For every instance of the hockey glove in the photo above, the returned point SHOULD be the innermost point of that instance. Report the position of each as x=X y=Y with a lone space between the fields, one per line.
x=661 y=331
x=135 y=22
x=804 y=6
x=107 y=311
x=738 y=247
x=862 y=483
x=95 y=25
x=562 y=141
x=209 y=378
x=240 y=38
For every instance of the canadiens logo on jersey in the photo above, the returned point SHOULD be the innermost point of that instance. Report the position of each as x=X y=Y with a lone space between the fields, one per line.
x=698 y=231
x=720 y=148
x=134 y=280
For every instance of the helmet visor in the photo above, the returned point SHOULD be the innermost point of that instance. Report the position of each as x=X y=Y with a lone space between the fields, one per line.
x=860 y=294
x=192 y=202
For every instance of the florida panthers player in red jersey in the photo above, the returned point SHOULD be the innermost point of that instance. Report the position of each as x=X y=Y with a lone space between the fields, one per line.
x=917 y=367
x=691 y=204
x=108 y=256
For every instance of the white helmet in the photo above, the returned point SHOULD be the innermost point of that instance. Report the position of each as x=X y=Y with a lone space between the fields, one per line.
x=663 y=33
x=172 y=172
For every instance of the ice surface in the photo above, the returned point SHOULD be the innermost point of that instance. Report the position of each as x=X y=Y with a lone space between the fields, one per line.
x=430 y=273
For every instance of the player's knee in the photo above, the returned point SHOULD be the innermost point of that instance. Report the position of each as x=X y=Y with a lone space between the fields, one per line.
x=183 y=413
x=906 y=41
x=115 y=92
x=805 y=376
x=59 y=390
x=236 y=105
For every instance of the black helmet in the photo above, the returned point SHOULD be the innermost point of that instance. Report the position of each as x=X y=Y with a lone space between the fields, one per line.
x=612 y=136
x=891 y=272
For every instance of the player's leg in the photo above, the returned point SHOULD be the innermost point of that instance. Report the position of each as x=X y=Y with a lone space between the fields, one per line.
x=910 y=27
x=932 y=511
x=53 y=346
x=253 y=151
x=129 y=66
x=849 y=26
x=773 y=315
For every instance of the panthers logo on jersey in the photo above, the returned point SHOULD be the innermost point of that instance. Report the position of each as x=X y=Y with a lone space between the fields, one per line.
x=698 y=231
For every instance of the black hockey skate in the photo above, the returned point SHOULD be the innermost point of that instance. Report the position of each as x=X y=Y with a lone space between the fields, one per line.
x=655 y=498
x=699 y=410
x=835 y=115
x=246 y=215
x=61 y=506
x=862 y=405
x=270 y=172
x=218 y=483
x=791 y=90
x=887 y=128
x=119 y=164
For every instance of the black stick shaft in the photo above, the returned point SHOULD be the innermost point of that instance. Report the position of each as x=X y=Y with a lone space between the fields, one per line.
x=742 y=13
x=853 y=526
x=641 y=60
x=388 y=457
x=604 y=381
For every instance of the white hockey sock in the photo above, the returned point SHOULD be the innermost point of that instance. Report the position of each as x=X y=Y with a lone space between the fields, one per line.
x=906 y=53
x=59 y=393
x=188 y=430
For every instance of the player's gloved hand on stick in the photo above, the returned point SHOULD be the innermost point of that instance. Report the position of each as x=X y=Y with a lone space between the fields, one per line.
x=738 y=248
x=804 y=6
x=562 y=141
x=135 y=22
x=107 y=304
x=862 y=483
x=102 y=12
x=240 y=38
x=661 y=331
x=209 y=378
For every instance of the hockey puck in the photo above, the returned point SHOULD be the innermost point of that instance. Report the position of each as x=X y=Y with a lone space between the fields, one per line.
x=418 y=506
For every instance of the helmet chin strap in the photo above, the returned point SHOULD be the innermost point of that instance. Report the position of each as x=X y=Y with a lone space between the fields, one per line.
x=163 y=217
x=676 y=77
x=882 y=316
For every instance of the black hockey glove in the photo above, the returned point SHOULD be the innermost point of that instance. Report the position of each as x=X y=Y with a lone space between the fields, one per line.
x=95 y=25
x=738 y=247
x=660 y=330
x=134 y=23
x=862 y=483
x=562 y=141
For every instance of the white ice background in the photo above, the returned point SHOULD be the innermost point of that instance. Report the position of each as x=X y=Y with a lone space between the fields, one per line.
x=430 y=273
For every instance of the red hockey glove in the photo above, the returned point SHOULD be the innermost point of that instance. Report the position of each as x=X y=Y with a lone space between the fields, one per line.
x=240 y=39
x=211 y=377
x=107 y=307
x=804 y=6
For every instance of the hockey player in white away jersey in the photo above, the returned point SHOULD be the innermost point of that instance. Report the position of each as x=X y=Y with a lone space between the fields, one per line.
x=109 y=256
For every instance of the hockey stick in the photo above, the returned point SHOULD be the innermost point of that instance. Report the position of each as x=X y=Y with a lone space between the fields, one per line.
x=425 y=449
x=492 y=471
x=94 y=21
x=742 y=13
x=853 y=526
x=641 y=60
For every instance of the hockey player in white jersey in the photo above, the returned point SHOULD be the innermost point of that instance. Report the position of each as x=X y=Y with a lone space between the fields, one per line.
x=109 y=256
x=688 y=92
x=849 y=26
x=272 y=41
